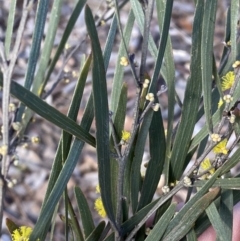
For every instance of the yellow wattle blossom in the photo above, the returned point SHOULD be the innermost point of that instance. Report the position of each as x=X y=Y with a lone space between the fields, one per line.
x=236 y=64
x=150 y=97
x=98 y=189
x=206 y=166
x=21 y=234
x=220 y=103
x=228 y=98
x=146 y=83
x=187 y=181
x=124 y=61
x=228 y=80
x=220 y=148
x=98 y=206
x=215 y=137
x=156 y=107
x=125 y=136
x=229 y=43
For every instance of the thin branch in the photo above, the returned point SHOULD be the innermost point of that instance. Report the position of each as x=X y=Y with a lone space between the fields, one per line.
x=58 y=78
x=132 y=65
x=149 y=106
x=204 y=154
x=147 y=21
x=7 y=75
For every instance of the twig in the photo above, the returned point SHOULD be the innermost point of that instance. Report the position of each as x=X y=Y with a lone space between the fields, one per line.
x=132 y=66
x=147 y=21
x=201 y=158
x=58 y=78
x=7 y=75
x=150 y=104
x=121 y=5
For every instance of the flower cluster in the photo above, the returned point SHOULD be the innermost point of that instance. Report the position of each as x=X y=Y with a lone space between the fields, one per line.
x=150 y=97
x=206 y=166
x=146 y=83
x=22 y=234
x=220 y=148
x=98 y=205
x=187 y=181
x=165 y=189
x=236 y=64
x=228 y=98
x=220 y=103
x=126 y=135
x=228 y=80
x=124 y=61
x=156 y=107
x=215 y=137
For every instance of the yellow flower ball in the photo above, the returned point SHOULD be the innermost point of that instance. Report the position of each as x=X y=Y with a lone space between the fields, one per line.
x=228 y=80
x=22 y=234
x=98 y=206
x=220 y=148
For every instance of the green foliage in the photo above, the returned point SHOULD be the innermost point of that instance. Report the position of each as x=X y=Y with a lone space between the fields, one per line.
x=127 y=196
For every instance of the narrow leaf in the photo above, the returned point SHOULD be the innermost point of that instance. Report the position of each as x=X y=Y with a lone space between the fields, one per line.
x=206 y=59
x=191 y=236
x=159 y=228
x=177 y=219
x=47 y=47
x=86 y=216
x=9 y=30
x=170 y=80
x=187 y=221
x=60 y=176
x=74 y=222
x=137 y=160
x=155 y=165
x=162 y=47
x=100 y=98
x=75 y=104
x=233 y=20
x=110 y=41
x=234 y=29
x=226 y=212
x=76 y=12
x=191 y=100
x=203 y=222
x=118 y=75
x=110 y=237
x=48 y=209
x=36 y=42
x=216 y=222
x=49 y=113
x=96 y=234
x=226 y=50
x=226 y=183
x=136 y=218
